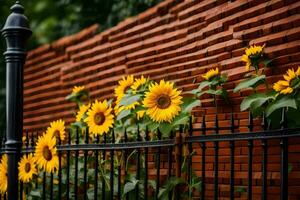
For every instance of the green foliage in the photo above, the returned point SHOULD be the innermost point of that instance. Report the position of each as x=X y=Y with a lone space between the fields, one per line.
x=251 y=82
x=284 y=102
x=254 y=102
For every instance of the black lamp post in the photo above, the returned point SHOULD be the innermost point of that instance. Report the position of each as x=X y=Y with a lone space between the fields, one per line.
x=16 y=32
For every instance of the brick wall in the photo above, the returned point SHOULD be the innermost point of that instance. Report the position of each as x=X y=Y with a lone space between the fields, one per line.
x=176 y=40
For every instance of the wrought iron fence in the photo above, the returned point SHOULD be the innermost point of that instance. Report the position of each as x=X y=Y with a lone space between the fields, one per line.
x=93 y=169
x=89 y=170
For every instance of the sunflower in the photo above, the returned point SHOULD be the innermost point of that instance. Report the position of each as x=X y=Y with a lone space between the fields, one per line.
x=3 y=174
x=99 y=118
x=27 y=168
x=123 y=86
x=282 y=87
x=247 y=60
x=286 y=86
x=137 y=84
x=162 y=101
x=211 y=74
x=57 y=129
x=77 y=89
x=46 y=153
x=250 y=52
x=82 y=111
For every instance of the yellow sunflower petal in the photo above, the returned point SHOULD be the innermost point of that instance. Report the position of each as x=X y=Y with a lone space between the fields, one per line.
x=77 y=89
x=57 y=129
x=137 y=84
x=3 y=174
x=99 y=118
x=123 y=86
x=46 y=153
x=211 y=74
x=27 y=168
x=162 y=102
x=82 y=111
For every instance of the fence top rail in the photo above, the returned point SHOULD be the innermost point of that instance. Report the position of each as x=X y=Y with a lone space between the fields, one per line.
x=259 y=135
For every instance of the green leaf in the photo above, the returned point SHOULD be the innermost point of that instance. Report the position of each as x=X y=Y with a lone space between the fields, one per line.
x=189 y=103
x=128 y=100
x=213 y=92
x=77 y=96
x=240 y=190
x=181 y=119
x=203 y=84
x=122 y=114
x=129 y=186
x=267 y=62
x=80 y=125
x=169 y=186
x=254 y=101
x=35 y=193
x=153 y=126
x=165 y=129
x=251 y=82
x=283 y=102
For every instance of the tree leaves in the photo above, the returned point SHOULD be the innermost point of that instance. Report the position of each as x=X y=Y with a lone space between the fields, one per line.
x=251 y=82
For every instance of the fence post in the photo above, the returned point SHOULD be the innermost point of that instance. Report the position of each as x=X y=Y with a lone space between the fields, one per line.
x=16 y=32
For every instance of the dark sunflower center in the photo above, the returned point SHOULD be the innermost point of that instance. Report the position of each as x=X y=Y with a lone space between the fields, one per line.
x=47 y=153
x=27 y=167
x=163 y=101
x=99 y=118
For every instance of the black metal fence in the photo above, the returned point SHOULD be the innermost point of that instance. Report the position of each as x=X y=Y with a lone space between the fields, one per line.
x=88 y=169
x=102 y=168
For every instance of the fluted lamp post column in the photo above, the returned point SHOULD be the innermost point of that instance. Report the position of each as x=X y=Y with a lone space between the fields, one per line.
x=16 y=32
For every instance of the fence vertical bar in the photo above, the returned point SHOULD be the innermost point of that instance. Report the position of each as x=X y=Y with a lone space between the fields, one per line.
x=16 y=32
x=68 y=168
x=232 y=147
x=264 y=144
x=203 y=147
x=158 y=166
x=190 y=163
x=125 y=158
x=44 y=185
x=76 y=166
x=51 y=186
x=27 y=146
x=119 y=181
x=284 y=160
x=146 y=167
x=112 y=167
x=103 y=163
x=138 y=164
x=178 y=158
x=86 y=141
x=96 y=170
x=59 y=171
x=216 y=161
x=250 y=157
x=170 y=161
